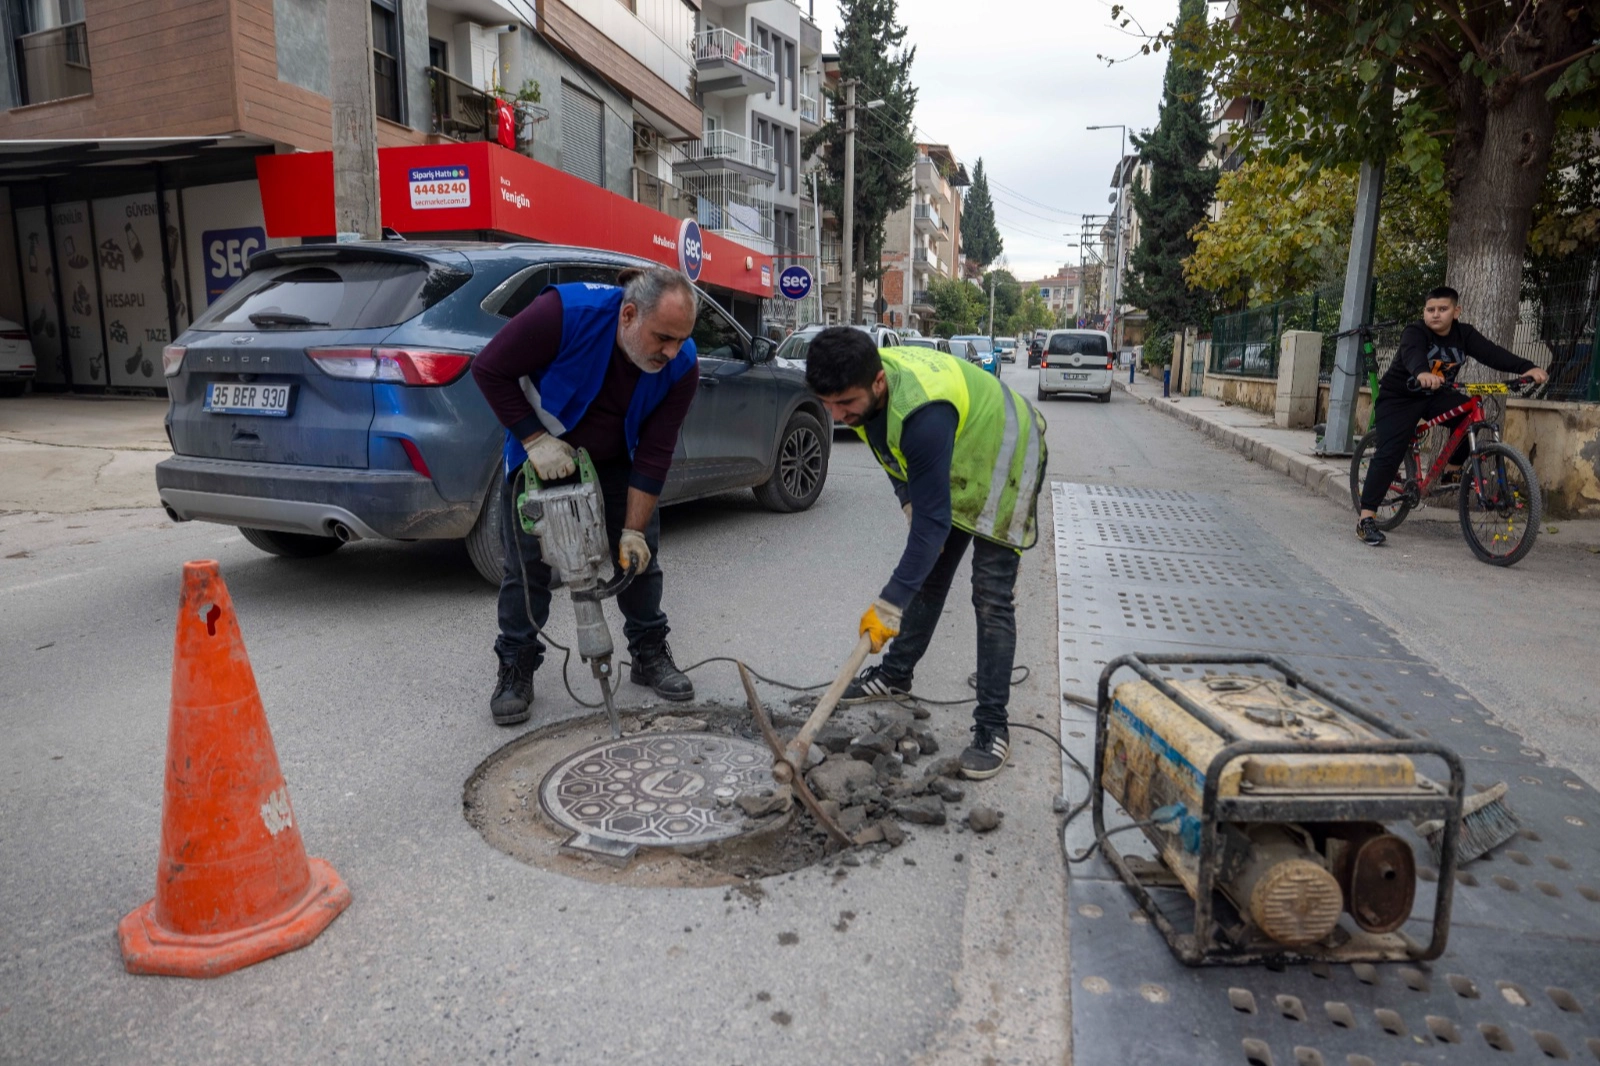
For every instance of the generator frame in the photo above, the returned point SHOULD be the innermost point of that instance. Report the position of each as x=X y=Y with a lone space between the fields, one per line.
x=1202 y=947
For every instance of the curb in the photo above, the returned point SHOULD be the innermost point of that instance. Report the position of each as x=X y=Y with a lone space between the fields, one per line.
x=1316 y=475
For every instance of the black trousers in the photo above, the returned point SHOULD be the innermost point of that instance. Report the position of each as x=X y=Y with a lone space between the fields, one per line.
x=640 y=602
x=1397 y=425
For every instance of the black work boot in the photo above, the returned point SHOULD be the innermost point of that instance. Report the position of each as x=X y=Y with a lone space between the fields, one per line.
x=653 y=668
x=512 y=701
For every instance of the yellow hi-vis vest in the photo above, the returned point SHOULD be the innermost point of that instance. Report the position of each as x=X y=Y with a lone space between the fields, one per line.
x=998 y=465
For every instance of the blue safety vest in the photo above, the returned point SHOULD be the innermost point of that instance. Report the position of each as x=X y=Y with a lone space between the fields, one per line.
x=589 y=315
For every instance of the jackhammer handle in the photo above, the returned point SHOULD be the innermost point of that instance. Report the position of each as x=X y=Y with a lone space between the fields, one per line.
x=796 y=752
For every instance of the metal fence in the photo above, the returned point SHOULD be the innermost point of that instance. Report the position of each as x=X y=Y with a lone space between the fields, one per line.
x=1556 y=327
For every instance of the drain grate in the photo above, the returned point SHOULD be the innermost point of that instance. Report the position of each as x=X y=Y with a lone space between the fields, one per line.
x=1159 y=538
x=664 y=790
x=1148 y=511
x=1130 y=568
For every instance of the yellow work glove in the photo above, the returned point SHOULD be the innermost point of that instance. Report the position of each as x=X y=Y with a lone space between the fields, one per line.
x=881 y=623
x=907 y=509
x=551 y=457
x=632 y=552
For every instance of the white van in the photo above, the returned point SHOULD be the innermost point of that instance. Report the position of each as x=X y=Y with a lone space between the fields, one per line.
x=1076 y=361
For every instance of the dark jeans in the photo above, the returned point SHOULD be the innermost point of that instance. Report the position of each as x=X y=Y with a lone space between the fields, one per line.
x=640 y=602
x=1397 y=425
x=994 y=581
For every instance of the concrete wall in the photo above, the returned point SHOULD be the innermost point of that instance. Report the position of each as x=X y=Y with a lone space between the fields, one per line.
x=549 y=68
x=1563 y=441
x=1258 y=394
x=301 y=30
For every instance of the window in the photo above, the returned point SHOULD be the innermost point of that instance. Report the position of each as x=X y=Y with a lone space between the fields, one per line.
x=51 y=48
x=386 y=60
x=438 y=54
x=791 y=157
x=786 y=230
x=582 y=135
x=1076 y=344
x=715 y=335
x=518 y=291
x=346 y=294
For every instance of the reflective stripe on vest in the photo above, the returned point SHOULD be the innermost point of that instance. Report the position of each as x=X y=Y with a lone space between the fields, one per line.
x=997 y=468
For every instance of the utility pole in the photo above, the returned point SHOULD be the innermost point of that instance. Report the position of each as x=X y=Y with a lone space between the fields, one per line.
x=355 y=121
x=991 y=309
x=848 y=256
x=1353 y=311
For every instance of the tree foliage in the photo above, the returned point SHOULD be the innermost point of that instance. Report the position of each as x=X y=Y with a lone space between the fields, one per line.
x=1180 y=189
x=1032 y=313
x=980 y=237
x=957 y=305
x=1567 y=218
x=871 y=50
x=1007 y=297
x=1285 y=230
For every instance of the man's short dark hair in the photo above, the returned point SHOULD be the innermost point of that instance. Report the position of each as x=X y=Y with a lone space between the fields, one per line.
x=840 y=358
x=1444 y=292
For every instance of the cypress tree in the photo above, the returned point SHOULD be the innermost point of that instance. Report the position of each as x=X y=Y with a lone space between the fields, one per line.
x=980 y=239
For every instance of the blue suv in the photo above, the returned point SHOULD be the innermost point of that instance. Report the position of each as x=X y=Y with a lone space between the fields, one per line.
x=326 y=398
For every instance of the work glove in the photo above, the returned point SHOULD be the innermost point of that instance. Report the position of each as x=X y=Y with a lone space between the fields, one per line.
x=907 y=509
x=632 y=552
x=881 y=623
x=551 y=457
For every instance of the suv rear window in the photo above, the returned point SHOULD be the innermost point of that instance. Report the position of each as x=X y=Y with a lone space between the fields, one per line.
x=1077 y=344
x=348 y=294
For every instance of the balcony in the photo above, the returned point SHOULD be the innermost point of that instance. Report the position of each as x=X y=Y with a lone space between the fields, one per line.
x=729 y=65
x=53 y=64
x=719 y=150
x=924 y=262
x=810 y=110
x=930 y=181
x=460 y=111
x=930 y=223
x=732 y=205
x=921 y=300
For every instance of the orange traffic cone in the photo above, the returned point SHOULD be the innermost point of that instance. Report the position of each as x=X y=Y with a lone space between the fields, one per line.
x=234 y=885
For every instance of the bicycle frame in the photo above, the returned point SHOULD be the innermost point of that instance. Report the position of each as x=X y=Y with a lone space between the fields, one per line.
x=1467 y=430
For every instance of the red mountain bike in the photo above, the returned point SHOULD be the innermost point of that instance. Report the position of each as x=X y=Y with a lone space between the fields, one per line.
x=1498 y=497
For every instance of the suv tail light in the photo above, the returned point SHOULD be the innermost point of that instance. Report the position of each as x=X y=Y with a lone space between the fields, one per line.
x=1110 y=363
x=172 y=359
x=404 y=366
x=1044 y=363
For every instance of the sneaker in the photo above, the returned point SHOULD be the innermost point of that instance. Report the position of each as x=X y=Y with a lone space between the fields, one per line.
x=512 y=701
x=1368 y=533
x=990 y=747
x=653 y=668
x=874 y=684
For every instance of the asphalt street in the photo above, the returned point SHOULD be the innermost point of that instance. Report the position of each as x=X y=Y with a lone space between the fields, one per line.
x=375 y=669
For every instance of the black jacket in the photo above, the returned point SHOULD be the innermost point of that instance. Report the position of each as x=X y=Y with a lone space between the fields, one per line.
x=1423 y=351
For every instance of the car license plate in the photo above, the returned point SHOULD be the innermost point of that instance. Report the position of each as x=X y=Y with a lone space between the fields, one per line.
x=236 y=398
x=1075 y=377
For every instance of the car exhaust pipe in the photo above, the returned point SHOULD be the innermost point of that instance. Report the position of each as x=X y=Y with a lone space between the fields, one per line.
x=172 y=514
x=343 y=532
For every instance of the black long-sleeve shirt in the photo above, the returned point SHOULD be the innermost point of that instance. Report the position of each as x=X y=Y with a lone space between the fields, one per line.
x=1422 y=351
x=529 y=343
x=928 y=441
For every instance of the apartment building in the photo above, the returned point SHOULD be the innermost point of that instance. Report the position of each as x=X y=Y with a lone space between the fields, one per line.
x=1062 y=292
x=1129 y=322
x=135 y=135
x=922 y=240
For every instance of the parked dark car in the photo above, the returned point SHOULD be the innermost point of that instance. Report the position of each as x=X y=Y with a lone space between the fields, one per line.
x=938 y=344
x=326 y=398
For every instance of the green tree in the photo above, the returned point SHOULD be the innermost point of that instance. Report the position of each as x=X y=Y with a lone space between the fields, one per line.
x=980 y=238
x=1032 y=313
x=1466 y=96
x=1179 y=191
x=1007 y=296
x=871 y=52
x=957 y=306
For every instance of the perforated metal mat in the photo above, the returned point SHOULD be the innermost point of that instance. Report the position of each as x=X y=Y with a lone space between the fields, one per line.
x=1157 y=570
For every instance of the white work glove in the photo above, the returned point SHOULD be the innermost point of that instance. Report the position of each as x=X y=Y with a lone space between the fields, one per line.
x=907 y=509
x=551 y=457
x=632 y=552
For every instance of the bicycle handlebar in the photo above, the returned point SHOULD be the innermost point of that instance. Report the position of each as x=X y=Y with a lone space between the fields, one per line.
x=1513 y=386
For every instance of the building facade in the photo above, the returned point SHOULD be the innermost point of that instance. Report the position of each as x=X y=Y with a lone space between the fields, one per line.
x=922 y=240
x=1062 y=292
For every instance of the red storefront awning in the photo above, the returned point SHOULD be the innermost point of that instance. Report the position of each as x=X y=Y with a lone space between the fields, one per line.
x=450 y=188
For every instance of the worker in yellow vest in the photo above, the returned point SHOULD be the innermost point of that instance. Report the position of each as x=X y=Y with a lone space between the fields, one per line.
x=966 y=457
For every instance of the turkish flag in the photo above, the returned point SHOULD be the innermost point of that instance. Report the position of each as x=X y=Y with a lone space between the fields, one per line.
x=507 y=134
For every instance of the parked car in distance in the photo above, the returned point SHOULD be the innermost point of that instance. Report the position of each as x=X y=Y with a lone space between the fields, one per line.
x=938 y=344
x=17 y=365
x=326 y=397
x=1076 y=361
x=1006 y=348
x=792 y=352
x=980 y=350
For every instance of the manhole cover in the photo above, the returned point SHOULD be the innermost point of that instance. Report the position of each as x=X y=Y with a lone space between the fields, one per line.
x=656 y=790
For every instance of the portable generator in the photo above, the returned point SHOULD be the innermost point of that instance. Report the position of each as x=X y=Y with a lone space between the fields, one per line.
x=1265 y=799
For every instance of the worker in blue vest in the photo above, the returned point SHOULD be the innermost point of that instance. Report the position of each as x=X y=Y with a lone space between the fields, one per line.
x=612 y=369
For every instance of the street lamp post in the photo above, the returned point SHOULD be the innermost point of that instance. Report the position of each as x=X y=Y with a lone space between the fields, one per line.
x=1116 y=262
x=847 y=256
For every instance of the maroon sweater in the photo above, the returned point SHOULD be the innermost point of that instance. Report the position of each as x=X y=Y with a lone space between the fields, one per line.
x=529 y=343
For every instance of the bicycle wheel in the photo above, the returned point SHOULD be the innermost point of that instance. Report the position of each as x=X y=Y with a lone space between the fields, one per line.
x=1395 y=506
x=1501 y=505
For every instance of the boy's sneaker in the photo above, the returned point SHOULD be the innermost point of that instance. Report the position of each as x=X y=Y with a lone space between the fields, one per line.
x=874 y=684
x=990 y=747
x=1368 y=533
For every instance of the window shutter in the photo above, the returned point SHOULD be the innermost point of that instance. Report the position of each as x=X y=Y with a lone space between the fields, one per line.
x=582 y=126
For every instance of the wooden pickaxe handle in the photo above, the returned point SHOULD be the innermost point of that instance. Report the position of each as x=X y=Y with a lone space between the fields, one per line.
x=795 y=753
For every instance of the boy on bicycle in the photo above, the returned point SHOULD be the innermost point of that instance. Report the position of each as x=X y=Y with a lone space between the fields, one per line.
x=1417 y=386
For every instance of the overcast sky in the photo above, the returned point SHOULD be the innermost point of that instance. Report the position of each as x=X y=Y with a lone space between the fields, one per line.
x=1015 y=82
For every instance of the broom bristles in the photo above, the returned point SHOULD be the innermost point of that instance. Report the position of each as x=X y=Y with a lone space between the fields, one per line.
x=1486 y=823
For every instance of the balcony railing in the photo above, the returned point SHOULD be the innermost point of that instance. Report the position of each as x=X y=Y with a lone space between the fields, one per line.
x=931 y=218
x=735 y=147
x=53 y=64
x=461 y=111
x=810 y=110
x=921 y=298
x=725 y=44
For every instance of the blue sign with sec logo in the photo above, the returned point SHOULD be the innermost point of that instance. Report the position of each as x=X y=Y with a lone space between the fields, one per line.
x=227 y=253
x=795 y=282
x=691 y=252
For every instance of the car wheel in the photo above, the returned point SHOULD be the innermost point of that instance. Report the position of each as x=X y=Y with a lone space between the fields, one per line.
x=291 y=545
x=483 y=541
x=802 y=466
x=1104 y=397
x=1042 y=394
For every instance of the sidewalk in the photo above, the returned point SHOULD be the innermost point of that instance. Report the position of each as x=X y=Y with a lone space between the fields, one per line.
x=1289 y=451
x=65 y=453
